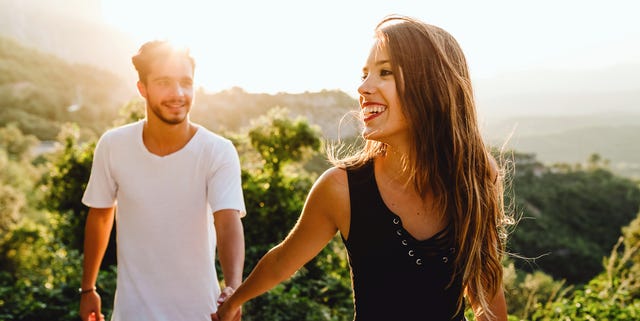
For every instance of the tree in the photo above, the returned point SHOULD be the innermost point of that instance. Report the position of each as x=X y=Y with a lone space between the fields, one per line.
x=17 y=175
x=281 y=140
x=17 y=145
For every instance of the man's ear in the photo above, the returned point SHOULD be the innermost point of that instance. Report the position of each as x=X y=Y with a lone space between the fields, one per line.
x=142 y=89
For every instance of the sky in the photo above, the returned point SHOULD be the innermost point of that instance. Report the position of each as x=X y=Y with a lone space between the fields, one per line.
x=296 y=46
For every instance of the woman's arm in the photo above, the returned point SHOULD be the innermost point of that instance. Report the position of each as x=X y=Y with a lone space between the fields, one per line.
x=323 y=213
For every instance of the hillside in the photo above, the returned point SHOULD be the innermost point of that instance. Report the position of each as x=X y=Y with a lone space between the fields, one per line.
x=536 y=93
x=563 y=116
x=572 y=139
x=234 y=109
x=73 y=30
x=39 y=92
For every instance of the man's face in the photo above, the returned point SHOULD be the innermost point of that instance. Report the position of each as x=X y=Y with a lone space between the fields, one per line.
x=168 y=90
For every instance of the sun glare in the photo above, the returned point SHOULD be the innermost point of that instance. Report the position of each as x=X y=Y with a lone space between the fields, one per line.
x=293 y=46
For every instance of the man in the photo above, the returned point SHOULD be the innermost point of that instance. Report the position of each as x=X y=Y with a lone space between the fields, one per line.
x=167 y=176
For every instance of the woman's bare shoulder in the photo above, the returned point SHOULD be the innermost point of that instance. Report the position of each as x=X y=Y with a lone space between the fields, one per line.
x=335 y=175
x=330 y=195
x=333 y=182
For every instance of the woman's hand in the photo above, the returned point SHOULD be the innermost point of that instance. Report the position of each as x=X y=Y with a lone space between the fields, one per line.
x=225 y=313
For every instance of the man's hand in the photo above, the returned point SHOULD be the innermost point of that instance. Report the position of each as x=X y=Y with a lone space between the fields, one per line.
x=90 y=305
x=219 y=317
x=226 y=293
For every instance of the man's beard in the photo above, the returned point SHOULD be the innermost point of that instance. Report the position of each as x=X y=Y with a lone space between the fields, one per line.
x=156 y=109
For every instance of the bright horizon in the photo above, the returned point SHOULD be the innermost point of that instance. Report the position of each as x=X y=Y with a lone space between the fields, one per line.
x=293 y=46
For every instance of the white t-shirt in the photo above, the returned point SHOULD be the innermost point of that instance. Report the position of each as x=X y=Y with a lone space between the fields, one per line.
x=166 y=240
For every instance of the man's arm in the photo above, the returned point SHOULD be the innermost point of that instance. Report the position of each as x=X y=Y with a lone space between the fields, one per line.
x=230 y=248
x=96 y=238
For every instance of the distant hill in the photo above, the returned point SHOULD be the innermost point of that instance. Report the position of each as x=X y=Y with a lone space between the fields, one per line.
x=572 y=139
x=234 y=109
x=615 y=89
x=39 y=92
x=524 y=126
x=566 y=115
x=72 y=30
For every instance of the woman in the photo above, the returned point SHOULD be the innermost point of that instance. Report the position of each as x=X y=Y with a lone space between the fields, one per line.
x=419 y=207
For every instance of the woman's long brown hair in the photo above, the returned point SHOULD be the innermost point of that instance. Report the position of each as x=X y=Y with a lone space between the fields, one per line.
x=448 y=156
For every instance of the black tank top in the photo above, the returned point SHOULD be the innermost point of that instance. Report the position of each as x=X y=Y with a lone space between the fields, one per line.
x=394 y=276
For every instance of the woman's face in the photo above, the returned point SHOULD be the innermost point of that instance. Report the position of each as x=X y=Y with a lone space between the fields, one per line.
x=380 y=105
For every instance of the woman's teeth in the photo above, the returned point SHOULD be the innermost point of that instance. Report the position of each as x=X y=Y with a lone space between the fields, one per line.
x=373 y=109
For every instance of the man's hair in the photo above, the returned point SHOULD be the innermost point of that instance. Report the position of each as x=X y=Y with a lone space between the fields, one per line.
x=155 y=50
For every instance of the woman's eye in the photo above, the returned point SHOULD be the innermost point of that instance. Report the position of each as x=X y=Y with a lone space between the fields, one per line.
x=363 y=77
x=385 y=72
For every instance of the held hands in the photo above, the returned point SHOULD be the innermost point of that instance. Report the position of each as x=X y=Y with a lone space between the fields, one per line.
x=90 y=305
x=224 y=312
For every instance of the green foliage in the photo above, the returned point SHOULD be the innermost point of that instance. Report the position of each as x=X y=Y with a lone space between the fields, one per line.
x=68 y=175
x=40 y=277
x=527 y=291
x=17 y=176
x=579 y=212
x=613 y=295
x=289 y=301
x=273 y=198
x=11 y=203
x=281 y=140
x=17 y=145
x=131 y=112
x=321 y=290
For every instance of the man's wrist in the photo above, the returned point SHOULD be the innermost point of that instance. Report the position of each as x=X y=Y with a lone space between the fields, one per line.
x=82 y=291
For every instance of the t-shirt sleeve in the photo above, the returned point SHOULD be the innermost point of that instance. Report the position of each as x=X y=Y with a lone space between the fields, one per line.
x=224 y=186
x=101 y=189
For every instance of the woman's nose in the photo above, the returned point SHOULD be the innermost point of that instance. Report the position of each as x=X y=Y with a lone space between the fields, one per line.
x=366 y=87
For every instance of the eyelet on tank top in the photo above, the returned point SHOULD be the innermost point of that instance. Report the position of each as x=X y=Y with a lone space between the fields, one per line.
x=411 y=253
x=416 y=255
